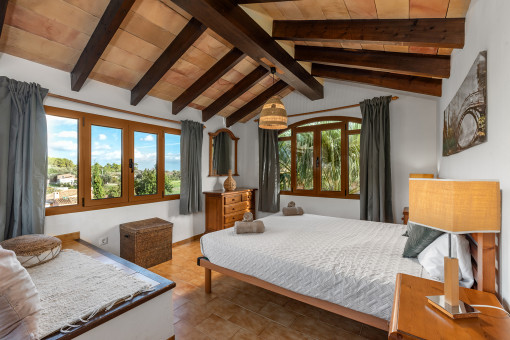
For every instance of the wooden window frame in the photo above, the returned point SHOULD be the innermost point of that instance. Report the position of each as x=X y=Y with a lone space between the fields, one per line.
x=85 y=121
x=338 y=122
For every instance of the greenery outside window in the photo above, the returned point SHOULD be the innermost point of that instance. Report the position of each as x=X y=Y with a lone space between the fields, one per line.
x=107 y=162
x=320 y=157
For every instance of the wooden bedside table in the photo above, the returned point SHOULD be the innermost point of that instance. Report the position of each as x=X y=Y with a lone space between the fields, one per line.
x=414 y=318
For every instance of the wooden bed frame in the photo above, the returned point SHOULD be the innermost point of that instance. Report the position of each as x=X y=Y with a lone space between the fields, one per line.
x=483 y=258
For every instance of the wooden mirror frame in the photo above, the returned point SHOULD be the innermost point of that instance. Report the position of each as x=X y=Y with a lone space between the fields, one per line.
x=211 y=137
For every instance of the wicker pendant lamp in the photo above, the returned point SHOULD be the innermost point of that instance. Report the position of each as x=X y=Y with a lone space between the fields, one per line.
x=273 y=115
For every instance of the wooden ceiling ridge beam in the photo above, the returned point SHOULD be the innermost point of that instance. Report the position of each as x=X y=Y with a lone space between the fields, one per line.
x=422 y=85
x=232 y=23
x=205 y=81
x=423 y=65
x=256 y=102
x=181 y=43
x=237 y=90
x=439 y=32
x=110 y=21
x=3 y=11
x=242 y=2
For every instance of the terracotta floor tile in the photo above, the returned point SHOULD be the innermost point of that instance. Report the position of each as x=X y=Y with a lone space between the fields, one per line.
x=248 y=301
x=274 y=331
x=192 y=313
x=243 y=334
x=178 y=300
x=304 y=309
x=321 y=330
x=223 y=307
x=225 y=291
x=217 y=327
x=198 y=296
x=373 y=333
x=341 y=322
x=278 y=314
x=184 y=331
x=249 y=320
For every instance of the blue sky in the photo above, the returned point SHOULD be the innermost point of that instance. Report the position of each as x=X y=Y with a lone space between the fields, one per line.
x=107 y=144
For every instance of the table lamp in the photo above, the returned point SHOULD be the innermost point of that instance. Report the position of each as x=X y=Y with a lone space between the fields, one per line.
x=455 y=207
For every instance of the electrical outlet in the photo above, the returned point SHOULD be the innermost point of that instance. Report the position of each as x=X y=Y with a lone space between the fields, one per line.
x=103 y=241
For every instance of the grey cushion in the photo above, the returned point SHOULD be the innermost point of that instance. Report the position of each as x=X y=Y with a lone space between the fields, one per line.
x=419 y=238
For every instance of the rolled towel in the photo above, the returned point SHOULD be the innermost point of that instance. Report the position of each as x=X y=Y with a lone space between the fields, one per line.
x=248 y=217
x=287 y=211
x=249 y=227
x=291 y=204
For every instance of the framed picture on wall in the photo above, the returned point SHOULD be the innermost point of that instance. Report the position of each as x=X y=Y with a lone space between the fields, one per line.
x=465 y=118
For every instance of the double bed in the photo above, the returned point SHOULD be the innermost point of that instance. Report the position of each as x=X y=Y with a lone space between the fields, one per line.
x=345 y=266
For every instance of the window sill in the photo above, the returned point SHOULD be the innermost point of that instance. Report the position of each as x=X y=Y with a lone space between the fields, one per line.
x=68 y=209
x=322 y=195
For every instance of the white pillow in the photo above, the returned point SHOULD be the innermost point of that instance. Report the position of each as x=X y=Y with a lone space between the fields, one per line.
x=432 y=258
x=19 y=300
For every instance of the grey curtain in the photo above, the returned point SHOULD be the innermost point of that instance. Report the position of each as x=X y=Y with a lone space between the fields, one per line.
x=221 y=153
x=23 y=158
x=375 y=168
x=192 y=135
x=269 y=171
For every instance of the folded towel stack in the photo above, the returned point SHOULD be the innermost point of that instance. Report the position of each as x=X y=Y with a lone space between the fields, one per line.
x=256 y=226
x=292 y=210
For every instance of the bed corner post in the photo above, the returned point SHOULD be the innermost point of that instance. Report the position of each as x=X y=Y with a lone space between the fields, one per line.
x=207 y=280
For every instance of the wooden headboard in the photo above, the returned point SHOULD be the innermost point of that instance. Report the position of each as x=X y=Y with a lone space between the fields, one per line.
x=483 y=258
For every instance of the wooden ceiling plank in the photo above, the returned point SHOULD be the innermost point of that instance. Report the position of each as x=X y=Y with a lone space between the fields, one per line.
x=210 y=77
x=242 y=2
x=458 y=8
x=173 y=52
x=278 y=87
x=236 y=26
x=232 y=94
x=104 y=32
x=404 y=63
x=410 y=32
x=428 y=8
x=361 y=9
x=428 y=86
x=3 y=10
x=392 y=9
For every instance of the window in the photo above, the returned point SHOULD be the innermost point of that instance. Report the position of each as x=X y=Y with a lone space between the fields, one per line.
x=320 y=157
x=97 y=162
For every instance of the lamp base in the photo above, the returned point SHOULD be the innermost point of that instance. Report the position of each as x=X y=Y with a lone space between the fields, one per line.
x=462 y=311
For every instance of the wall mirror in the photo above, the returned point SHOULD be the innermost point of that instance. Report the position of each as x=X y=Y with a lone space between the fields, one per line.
x=222 y=153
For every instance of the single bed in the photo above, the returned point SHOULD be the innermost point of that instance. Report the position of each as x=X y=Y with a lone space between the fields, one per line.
x=341 y=265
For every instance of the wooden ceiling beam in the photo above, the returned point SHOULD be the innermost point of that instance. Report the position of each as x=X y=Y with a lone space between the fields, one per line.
x=237 y=27
x=205 y=81
x=448 y=33
x=112 y=17
x=238 y=89
x=428 y=86
x=256 y=102
x=3 y=10
x=181 y=43
x=423 y=65
x=241 y=2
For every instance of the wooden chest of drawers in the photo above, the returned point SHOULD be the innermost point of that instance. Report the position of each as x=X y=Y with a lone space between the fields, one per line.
x=224 y=208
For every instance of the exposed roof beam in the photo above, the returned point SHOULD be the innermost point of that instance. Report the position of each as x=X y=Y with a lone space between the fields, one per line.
x=256 y=102
x=3 y=10
x=189 y=34
x=424 y=65
x=240 y=2
x=406 y=32
x=206 y=80
x=237 y=27
x=112 y=17
x=238 y=89
x=401 y=82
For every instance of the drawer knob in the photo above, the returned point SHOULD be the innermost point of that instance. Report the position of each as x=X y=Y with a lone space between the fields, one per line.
x=126 y=236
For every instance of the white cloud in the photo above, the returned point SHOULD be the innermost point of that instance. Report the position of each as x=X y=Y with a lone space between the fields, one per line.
x=56 y=121
x=148 y=138
x=144 y=157
x=172 y=157
x=171 y=144
x=63 y=145
x=101 y=146
x=66 y=134
x=102 y=136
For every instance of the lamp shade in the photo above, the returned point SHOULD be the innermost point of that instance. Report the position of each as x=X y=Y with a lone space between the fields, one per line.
x=456 y=206
x=273 y=115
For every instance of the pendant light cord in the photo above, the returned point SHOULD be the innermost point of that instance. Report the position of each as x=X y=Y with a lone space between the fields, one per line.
x=494 y=307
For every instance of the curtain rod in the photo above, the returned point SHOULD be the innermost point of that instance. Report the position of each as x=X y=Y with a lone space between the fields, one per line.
x=328 y=110
x=112 y=108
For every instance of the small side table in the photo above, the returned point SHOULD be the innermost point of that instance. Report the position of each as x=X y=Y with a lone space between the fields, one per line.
x=414 y=318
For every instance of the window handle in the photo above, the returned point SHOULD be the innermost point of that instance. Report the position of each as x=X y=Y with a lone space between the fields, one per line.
x=317 y=162
x=131 y=165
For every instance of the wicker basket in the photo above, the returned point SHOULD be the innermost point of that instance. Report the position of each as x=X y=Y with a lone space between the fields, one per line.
x=146 y=242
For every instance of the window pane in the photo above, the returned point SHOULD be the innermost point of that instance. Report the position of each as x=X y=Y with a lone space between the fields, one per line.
x=304 y=160
x=331 y=160
x=62 y=185
x=106 y=160
x=354 y=126
x=146 y=164
x=172 y=164
x=287 y=133
x=285 y=164
x=354 y=147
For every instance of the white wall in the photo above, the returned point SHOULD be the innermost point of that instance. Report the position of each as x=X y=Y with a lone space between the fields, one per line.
x=413 y=141
x=96 y=224
x=487 y=28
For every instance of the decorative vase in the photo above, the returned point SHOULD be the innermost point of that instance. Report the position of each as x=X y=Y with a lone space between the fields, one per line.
x=229 y=183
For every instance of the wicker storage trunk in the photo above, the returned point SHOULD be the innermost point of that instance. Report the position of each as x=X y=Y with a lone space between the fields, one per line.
x=146 y=242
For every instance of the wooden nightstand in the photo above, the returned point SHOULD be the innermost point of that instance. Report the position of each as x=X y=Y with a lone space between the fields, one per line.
x=405 y=215
x=414 y=318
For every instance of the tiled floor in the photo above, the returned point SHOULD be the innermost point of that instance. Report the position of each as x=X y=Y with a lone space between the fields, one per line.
x=237 y=310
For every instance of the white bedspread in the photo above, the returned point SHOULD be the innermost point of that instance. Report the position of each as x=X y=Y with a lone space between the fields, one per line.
x=348 y=262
